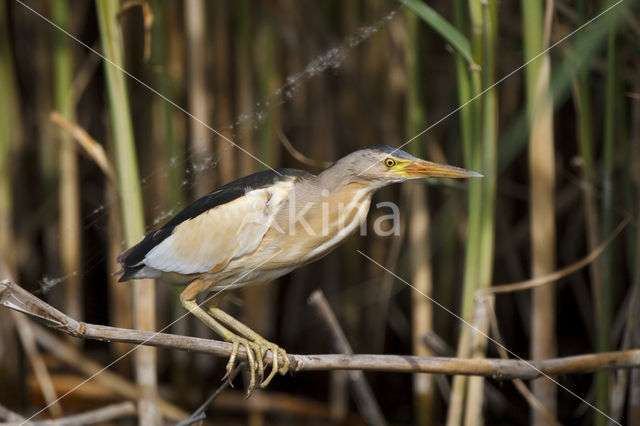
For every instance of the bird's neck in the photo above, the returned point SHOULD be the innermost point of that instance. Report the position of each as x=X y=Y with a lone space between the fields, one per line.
x=319 y=215
x=334 y=179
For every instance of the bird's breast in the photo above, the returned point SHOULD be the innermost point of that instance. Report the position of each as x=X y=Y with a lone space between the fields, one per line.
x=306 y=230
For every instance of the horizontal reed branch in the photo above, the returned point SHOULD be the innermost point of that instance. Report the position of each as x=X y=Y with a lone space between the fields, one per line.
x=15 y=297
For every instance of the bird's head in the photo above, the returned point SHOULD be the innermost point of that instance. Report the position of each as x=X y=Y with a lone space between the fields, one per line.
x=381 y=165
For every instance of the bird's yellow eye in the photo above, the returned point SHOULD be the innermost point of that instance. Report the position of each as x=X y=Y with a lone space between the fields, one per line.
x=389 y=162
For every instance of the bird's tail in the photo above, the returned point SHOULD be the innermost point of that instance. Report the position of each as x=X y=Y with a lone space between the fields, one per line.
x=130 y=272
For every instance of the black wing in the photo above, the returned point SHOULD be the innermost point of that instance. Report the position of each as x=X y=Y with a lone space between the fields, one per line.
x=132 y=258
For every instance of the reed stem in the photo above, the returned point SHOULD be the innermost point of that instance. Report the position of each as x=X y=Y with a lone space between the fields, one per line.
x=130 y=202
x=419 y=230
x=69 y=188
x=8 y=108
x=482 y=155
x=607 y=288
x=542 y=207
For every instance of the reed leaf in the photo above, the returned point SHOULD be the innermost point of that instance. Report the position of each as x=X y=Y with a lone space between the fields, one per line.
x=443 y=27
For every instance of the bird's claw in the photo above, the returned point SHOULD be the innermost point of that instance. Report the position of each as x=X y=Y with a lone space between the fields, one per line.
x=276 y=351
x=256 y=351
x=254 y=360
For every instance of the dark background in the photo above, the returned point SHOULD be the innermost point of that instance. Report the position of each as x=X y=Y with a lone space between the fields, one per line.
x=332 y=76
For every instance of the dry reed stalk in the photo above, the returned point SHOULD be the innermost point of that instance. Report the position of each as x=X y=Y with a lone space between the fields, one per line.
x=244 y=87
x=120 y=296
x=121 y=306
x=201 y=103
x=267 y=116
x=147 y=19
x=519 y=384
x=338 y=398
x=131 y=204
x=631 y=337
x=424 y=389
x=495 y=397
x=362 y=393
x=10 y=135
x=459 y=382
x=91 y=147
x=23 y=327
x=288 y=146
x=633 y=406
x=98 y=416
x=279 y=403
x=421 y=307
x=386 y=288
x=542 y=226
x=9 y=416
x=69 y=188
x=167 y=51
x=259 y=301
x=542 y=210
x=478 y=349
x=199 y=96
x=222 y=78
x=107 y=379
x=167 y=142
x=558 y=274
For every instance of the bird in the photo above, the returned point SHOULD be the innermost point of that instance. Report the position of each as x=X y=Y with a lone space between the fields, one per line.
x=263 y=226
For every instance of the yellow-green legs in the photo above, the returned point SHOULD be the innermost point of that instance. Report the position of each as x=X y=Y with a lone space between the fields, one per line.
x=255 y=345
x=255 y=341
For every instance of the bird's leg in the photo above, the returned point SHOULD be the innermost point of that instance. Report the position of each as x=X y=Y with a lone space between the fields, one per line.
x=262 y=343
x=253 y=349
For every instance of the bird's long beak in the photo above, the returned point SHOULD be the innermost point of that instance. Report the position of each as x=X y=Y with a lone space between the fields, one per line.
x=426 y=169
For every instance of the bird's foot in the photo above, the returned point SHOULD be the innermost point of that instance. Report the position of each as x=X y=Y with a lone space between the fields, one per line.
x=256 y=351
x=276 y=352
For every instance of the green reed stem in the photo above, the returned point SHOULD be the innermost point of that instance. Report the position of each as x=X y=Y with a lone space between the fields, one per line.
x=8 y=124
x=604 y=315
x=421 y=265
x=130 y=200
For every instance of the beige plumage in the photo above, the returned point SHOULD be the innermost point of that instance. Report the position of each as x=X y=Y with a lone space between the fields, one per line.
x=263 y=226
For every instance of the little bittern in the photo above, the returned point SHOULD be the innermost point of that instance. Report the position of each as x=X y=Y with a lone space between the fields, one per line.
x=263 y=226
